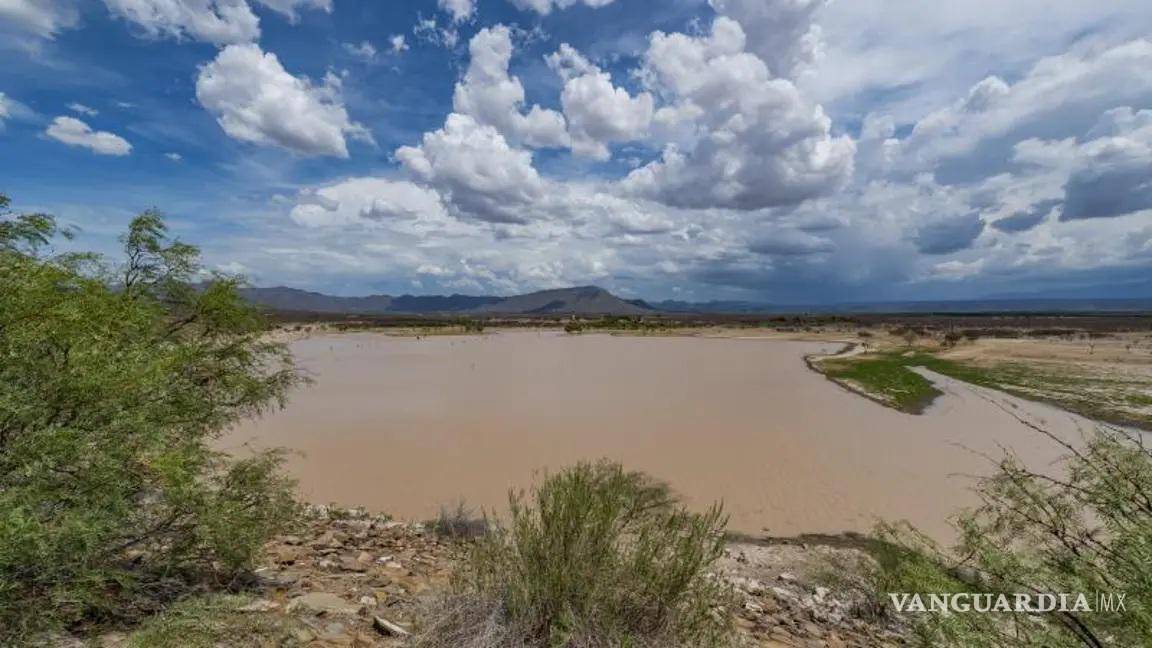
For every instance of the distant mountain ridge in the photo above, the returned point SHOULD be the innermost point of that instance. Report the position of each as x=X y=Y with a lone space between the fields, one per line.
x=584 y=300
x=592 y=300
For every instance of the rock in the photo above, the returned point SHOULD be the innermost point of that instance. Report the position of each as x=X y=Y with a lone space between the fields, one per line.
x=259 y=605
x=368 y=601
x=349 y=563
x=387 y=628
x=303 y=635
x=323 y=603
x=787 y=577
x=364 y=557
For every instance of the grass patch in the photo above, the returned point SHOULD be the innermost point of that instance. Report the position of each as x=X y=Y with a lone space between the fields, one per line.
x=885 y=378
x=210 y=621
x=594 y=556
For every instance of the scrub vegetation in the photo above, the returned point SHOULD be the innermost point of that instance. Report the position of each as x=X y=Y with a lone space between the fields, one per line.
x=594 y=556
x=1084 y=529
x=114 y=378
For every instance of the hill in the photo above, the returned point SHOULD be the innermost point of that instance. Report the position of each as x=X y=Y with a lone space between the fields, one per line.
x=586 y=300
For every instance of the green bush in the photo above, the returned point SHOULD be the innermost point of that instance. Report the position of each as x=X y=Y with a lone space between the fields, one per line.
x=113 y=382
x=595 y=556
x=1087 y=531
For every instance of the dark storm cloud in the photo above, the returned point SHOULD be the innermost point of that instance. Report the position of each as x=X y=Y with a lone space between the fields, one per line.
x=1026 y=219
x=949 y=235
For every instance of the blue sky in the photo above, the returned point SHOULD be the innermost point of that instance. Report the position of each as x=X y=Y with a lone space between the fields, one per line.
x=794 y=151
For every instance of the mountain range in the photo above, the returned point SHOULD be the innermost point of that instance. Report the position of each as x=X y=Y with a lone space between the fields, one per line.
x=592 y=300
x=584 y=300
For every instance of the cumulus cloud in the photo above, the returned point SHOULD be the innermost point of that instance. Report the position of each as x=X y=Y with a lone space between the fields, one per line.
x=355 y=200
x=746 y=140
x=1113 y=174
x=73 y=132
x=364 y=51
x=459 y=10
x=477 y=170
x=254 y=99
x=598 y=113
x=545 y=7
x=1059 y=95
x=5 y=108
x=220 y=22
x=398 y=43
x=782 y=33
x=492 y=97
x=38 y=18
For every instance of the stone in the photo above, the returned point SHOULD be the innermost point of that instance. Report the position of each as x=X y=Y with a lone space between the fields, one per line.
x=323 y=603
x=387 y=628
x=303 y=635
x=259 y=605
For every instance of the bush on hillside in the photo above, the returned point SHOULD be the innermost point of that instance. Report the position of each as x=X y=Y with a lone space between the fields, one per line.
x=113 y=382
x=594 y=556
x=1088 y=530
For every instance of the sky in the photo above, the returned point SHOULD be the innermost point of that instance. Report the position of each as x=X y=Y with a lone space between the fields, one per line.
x=788 y=151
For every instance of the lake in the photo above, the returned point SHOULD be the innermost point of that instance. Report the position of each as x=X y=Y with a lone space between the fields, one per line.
x=404 y=425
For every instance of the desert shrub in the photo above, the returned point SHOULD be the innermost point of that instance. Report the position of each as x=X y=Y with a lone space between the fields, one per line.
x=113 y=381
x=594 y=556
x=573 y=327
x=1087 y=531
x=459 y=522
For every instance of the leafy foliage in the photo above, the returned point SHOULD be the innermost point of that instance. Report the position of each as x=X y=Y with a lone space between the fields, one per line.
x=1086 y=531
x=113 y=382
x=595 y=556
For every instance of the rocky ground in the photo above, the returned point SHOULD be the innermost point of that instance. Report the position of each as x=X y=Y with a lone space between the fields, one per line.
x=347 y=578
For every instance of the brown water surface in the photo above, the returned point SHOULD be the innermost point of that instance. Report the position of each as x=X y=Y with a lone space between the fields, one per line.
x=404 y=425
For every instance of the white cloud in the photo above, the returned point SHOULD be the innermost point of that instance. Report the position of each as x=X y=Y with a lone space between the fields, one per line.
x=781 y=32
x=40 y=18
x=175 y=157
x=545 y=7
x=357 y=200
x=492 y=97
x=220 y=22
x=5 y=110
x=739 y=138
x=365 y=51
x=399 y=43
x=289 y=7
x=429 y=31
x=1060 y=95
x=598 y=113
x=254 y=99
x=74 y=132
x=477 y=170
x=917 y=59
x=459 y=10
x=81 y=109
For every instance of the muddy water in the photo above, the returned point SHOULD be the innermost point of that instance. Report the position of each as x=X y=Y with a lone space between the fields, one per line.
x=404 y=425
